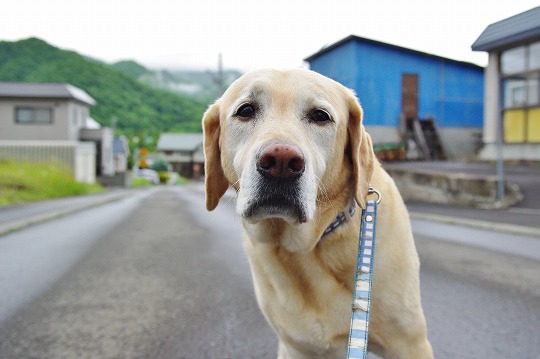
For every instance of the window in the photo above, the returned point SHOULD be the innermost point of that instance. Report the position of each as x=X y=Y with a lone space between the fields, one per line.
x=534 y=56
x=513 y=60
x=520 y=69
x=533 y=90
x=514 y=93
x=33 y=115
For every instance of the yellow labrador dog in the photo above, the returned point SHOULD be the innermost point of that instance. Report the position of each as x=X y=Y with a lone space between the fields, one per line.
x=293 y=146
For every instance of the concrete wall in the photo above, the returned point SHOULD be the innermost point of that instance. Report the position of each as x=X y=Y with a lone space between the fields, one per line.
x=511 y=152
x=452 y=188
x=85 y=162
x=103 y=138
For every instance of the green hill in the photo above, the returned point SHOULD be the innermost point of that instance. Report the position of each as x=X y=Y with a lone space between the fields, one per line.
x=137 y=107
x=131 y=68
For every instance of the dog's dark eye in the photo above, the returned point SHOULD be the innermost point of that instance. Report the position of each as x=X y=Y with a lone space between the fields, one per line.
x=246 y=111
x=320 y=116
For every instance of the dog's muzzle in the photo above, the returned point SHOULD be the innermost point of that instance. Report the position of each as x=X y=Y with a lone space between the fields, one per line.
x=280 y=166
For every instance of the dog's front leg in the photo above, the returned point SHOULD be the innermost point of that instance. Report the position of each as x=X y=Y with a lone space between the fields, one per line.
x=287 y=352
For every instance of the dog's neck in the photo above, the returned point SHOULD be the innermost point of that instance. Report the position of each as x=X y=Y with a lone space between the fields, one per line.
x=346 y=215
x=300 y=237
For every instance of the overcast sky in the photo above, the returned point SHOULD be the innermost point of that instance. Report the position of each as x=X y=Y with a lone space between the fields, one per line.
x=251 y=34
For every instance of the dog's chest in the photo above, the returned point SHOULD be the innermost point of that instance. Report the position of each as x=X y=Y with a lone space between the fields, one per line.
x=305 y=302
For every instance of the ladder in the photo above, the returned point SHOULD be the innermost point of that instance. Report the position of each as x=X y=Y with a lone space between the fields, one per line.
x=425 y=134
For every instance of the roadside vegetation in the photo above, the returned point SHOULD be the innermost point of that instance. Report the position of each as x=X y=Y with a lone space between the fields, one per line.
x=138 y=182
x=29 y=181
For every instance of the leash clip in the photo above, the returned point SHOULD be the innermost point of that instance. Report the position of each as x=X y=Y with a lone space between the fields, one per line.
x=372 y=190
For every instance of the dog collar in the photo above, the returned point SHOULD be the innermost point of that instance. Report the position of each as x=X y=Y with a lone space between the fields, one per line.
x=348 y=213
x=342 y=217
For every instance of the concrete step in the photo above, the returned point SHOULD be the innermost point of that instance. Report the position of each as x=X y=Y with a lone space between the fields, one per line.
x=440 y=185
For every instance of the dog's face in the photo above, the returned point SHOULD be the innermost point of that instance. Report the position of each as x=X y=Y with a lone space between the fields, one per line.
x=282 y=139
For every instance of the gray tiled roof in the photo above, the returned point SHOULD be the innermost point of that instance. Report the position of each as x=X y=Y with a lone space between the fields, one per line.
x=510 y=31
x=179 y=141
x=39 y=90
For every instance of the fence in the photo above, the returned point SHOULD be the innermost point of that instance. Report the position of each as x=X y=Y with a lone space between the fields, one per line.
x=79 y=157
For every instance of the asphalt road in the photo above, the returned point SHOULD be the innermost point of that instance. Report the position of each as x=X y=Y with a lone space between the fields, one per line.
x=156 y=276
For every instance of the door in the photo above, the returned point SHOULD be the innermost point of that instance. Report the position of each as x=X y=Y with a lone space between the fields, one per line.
x=409 y=95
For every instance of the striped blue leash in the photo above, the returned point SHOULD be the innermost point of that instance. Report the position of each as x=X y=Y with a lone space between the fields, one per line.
x=359 y=329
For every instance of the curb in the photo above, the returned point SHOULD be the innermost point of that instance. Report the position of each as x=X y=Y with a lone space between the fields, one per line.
x=41 y=218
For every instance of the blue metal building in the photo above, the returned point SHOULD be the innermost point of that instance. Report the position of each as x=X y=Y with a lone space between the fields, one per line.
x=391 y=81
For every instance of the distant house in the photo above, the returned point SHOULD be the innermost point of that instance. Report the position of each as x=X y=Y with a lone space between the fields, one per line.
x=52 y=112
x=512 y=86
x=397 y=85
x=184 y=151
x=52 y=122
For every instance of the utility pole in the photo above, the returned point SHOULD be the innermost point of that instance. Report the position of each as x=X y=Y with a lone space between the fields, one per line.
x=220 y=79
x=500 y=143
x=114 y=120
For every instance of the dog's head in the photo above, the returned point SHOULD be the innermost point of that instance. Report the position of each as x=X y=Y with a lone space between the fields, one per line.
x=284 y=140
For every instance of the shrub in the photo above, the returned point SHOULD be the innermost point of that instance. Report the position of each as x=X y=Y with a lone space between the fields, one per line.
x=164 y=176
x=160 y=165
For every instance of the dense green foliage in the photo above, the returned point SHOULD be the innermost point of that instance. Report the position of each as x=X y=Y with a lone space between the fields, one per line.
x=160 y=165
x=138 y=108
x=30 y=181
x=130 y=68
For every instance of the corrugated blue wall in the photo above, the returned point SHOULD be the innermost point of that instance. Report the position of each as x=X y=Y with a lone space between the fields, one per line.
x=450 y=91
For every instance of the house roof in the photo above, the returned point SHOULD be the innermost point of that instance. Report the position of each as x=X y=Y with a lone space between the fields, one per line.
x=91 y=123
x=48 y=91
x=510 y=31
x=179 y=141
x=384 y=44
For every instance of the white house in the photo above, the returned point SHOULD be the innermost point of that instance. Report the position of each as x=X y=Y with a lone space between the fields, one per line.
x=512 y=86
x=42 y=122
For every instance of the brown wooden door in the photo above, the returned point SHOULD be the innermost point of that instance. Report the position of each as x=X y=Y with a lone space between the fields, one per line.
x=409 y=95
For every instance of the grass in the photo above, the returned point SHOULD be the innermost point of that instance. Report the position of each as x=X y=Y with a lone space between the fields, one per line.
x=138 y=182
x=29 y=181
x=181 y=181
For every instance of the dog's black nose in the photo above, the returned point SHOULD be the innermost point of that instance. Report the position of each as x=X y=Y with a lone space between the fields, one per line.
x=281 y=161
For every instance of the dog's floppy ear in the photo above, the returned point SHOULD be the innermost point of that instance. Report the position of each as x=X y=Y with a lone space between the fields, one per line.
x=362 y=154
x=216 y=183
